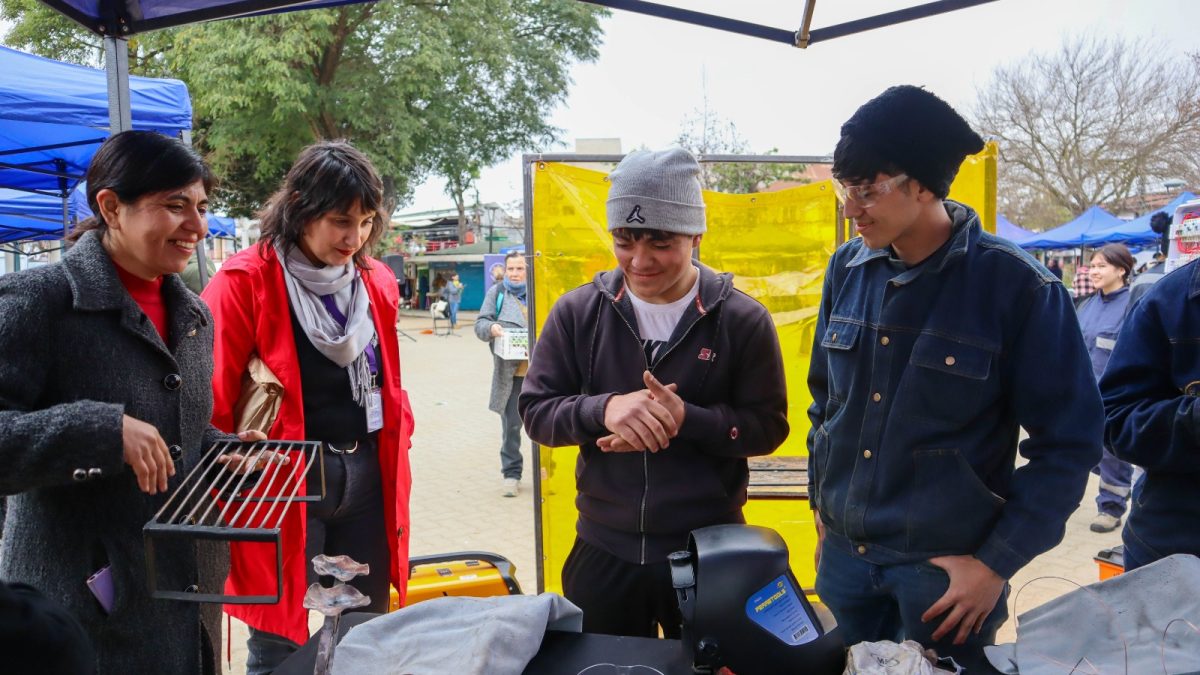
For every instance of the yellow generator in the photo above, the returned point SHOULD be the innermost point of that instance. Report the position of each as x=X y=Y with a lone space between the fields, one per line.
x=468 y=573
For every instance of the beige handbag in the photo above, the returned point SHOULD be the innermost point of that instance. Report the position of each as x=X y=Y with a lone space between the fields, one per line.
x=262 y=394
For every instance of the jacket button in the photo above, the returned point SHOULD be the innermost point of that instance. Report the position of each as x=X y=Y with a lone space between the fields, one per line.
x=867 y=454
x=733 y=433
x=833 y=337
x=172 y=381
x=176 y=453
x=862 y=550
x=94 y=472
x=79 y=475
x=884 y=340
x=949 y=360
x=877 y=397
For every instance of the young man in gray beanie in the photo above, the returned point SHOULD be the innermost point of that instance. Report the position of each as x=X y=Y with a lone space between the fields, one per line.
x=935 y=343
x=667 y=378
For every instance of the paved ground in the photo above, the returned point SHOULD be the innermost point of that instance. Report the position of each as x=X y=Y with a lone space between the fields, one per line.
x=456 y=503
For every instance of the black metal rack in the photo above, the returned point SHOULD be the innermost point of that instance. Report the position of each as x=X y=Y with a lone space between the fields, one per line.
x=219 y=503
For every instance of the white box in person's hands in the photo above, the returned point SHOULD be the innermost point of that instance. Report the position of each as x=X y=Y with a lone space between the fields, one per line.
x=512 y=345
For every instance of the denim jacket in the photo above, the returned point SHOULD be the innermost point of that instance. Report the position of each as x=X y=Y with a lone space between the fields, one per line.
x=1150 y=391
x=921 y=378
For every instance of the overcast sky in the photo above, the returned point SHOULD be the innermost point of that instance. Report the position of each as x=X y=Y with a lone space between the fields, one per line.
x=652 y=73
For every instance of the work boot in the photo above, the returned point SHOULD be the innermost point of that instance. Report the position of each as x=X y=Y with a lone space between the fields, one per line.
x=512 y=487
x=1104 y=522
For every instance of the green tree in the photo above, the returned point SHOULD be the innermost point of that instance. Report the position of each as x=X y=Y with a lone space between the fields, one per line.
x=421 y=86
x=508 y=80
x=704 y=132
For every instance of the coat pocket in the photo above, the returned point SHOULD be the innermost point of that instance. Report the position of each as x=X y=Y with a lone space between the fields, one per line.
x=820 y=461
x=948 y=380
x=841 y=347
x=952 y=357
x=950 y=511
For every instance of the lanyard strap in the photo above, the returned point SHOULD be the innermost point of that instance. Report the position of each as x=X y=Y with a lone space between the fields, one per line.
x=339 y=317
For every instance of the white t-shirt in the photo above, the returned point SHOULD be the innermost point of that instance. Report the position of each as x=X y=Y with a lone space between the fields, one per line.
x=656 y=323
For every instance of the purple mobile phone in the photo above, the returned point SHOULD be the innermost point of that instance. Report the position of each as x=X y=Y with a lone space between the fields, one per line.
x=101 y=586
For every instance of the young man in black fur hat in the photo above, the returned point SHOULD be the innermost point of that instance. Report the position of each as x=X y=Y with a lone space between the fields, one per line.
x=935 y=342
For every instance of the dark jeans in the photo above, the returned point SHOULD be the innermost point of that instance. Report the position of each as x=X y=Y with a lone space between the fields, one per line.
x=885 y=602
x=511 y=461
x=1115 y=479
x=618 y=597
x=349 y=521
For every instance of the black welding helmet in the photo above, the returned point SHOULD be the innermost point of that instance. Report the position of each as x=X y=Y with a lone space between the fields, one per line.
x=743 y=609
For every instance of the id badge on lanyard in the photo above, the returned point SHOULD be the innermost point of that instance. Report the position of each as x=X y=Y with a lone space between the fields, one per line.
x=375 y=411
x=375 y=401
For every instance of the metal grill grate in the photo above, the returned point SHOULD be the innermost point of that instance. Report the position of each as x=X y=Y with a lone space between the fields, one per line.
x=218 y=505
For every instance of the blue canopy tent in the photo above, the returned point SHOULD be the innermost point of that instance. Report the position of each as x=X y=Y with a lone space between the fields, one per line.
x=53 y=117
x=1075 y=233
x=1137 y=231
x=1014 y=233
x=29 y=216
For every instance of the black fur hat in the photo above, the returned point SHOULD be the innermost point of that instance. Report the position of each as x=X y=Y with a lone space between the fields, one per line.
x=914 y=130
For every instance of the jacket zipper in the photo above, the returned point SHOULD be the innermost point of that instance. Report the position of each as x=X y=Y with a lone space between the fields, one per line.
x=645 y=459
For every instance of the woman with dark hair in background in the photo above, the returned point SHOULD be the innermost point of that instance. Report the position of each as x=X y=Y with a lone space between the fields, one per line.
x=321 y=315
x=105 y=399
x=1100 y=318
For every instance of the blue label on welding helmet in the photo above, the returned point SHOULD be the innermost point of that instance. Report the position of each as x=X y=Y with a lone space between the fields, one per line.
x=779 y=609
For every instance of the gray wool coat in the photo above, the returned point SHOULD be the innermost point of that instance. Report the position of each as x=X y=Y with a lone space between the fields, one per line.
x=510 y=316
x=78 y=353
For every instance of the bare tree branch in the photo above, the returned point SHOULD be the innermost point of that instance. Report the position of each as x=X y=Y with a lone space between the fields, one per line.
x=1095 y=122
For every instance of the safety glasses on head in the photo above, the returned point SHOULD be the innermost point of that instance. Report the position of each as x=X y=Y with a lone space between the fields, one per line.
x=866 y=196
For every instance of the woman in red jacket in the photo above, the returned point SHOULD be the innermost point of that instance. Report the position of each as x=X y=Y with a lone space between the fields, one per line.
x=325 y=325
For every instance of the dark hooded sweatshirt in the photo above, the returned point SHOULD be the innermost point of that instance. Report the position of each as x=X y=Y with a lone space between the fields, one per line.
x=724 y=356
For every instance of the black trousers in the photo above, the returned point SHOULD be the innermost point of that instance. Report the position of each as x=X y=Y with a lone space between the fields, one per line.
x=619 y=597
x=350 y=521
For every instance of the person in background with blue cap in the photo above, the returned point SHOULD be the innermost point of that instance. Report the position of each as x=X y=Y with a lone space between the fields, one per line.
x=935 y=343
x=668 y=378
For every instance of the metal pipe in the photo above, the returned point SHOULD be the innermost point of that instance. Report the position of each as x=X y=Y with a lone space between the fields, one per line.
x=700 y=19
x=891 y=18
x=527 y=162
x=116 y=66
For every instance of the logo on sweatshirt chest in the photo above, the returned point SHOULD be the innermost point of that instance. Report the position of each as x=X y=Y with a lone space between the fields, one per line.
x=707 y=354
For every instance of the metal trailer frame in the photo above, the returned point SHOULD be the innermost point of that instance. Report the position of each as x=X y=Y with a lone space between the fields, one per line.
x=527 y=163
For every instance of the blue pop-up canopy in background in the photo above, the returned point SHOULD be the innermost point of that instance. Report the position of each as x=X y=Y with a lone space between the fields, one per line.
x=53 y=117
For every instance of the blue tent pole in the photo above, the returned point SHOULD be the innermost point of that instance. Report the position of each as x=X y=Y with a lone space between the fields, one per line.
x=116 y=65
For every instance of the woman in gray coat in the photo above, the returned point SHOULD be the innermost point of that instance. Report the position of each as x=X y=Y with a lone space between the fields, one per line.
x=504 y=307
x=105 y=399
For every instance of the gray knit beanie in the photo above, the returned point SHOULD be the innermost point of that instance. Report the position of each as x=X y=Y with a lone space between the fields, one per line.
x=657 y=190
